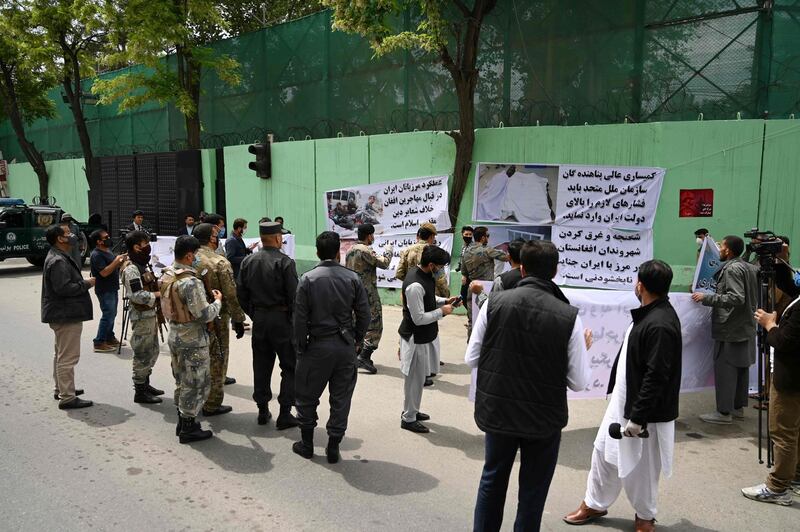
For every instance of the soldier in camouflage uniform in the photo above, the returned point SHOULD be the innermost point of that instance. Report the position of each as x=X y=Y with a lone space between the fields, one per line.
x=143 y=295
x=477 y=263
x=216 y=273
x=188 y=312
x=411 y=256
x=363 y=260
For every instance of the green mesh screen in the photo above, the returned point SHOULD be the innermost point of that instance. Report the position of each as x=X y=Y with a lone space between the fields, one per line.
x=542 y=61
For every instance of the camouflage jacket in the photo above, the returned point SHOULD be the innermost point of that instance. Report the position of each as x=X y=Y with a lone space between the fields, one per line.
x=216 y=273
x=131 y=274
x=477 y=262
x=410 y=258
x=363 y=260
x=191 y=291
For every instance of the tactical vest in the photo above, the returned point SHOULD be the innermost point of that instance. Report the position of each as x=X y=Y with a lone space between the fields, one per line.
x=148 y=284
x=175 y=309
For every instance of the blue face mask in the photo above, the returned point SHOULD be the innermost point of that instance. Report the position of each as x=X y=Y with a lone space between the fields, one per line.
x=222 y=232
x=797 y=279
x=195 y=262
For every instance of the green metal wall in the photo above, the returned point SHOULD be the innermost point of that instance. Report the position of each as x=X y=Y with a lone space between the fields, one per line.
x=723 y=155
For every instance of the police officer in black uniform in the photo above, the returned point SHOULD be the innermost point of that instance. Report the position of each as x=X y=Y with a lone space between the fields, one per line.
x=266 y=288
x=326 y=336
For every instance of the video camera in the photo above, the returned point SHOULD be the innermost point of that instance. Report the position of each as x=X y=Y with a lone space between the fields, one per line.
x=763 y=243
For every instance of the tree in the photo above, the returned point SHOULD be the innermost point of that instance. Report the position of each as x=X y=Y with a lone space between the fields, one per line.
x=451 y=30
x=74 y=35
x=24 y=82
x=152 y=30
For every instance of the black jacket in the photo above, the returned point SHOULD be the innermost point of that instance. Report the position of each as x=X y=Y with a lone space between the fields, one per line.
x=236 y=251
x=785 y=338
x=522 y=370
x=331 y=301
x=423 y=334
x=65 y=293
x=653 y=368
x=267 y=280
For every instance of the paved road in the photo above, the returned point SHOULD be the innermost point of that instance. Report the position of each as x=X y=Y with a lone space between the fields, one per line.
x=118 y=466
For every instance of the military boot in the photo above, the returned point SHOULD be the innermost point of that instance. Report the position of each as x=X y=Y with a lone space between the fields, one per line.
x=192 y=431
x=178 y=426
x=150 y=389
x=305 y=447
x=332 y=450
x=264 y=414
x=285 y=419
x=364 y=360
x=143 y=396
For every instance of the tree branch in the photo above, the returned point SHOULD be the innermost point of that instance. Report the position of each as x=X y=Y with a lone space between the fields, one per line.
x=463 y=8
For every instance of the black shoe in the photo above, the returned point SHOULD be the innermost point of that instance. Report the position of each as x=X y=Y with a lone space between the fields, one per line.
x=143 y=396
x=221 y=409
x=192 y=431
x=78 y=391
x=428 y=381
x=441 y=363
x=422 y=417
x=366 y=364
x=178 y=426
x=415 y=426
x=302 y=449
x=285 y=419
x=332 y=450
x=229 y=380
x=75 y=403
x=151 y=390
x=264 y=414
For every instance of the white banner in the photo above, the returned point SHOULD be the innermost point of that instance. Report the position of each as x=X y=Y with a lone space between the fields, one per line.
x=163 y=249
x=603 y=196
x=394 y=208
x=386 y=278
x=708 y=264
x=600 y=258
x=607 y=314
x=616 y=197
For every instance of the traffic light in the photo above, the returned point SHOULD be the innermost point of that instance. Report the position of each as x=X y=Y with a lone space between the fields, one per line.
x=263 y=162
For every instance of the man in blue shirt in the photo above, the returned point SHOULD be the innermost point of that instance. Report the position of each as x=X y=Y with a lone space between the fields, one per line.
x=105 y=268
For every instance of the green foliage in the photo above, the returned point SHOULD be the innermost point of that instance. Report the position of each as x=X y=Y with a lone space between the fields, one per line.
x=373 y=20
x=25 y=76
x=152 y=29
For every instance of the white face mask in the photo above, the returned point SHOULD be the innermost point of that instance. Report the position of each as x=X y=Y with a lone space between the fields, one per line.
x=699 y=241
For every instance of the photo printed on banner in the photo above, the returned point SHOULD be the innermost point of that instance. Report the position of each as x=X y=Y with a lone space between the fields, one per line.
x=393 y=207
x=516 y=193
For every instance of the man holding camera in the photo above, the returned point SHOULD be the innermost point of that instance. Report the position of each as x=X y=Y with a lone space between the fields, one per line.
x=733 y=329
x=784 y=409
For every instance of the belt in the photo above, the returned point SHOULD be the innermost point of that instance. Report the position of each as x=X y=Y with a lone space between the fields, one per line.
x=279 y=308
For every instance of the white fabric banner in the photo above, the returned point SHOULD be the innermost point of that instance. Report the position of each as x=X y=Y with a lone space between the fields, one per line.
x=607 y=314
x=608 y=196
x=163 y=249
x=708 y=264
x=394 y=208
x=386 y=278
x=600 y=258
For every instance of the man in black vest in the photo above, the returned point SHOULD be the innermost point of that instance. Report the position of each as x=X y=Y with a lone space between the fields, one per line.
x=419 y=331
x=644 y=386
x=529 y=345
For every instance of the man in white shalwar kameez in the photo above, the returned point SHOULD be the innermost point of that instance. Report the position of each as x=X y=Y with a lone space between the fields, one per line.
x=645 y=386
x=419 y=332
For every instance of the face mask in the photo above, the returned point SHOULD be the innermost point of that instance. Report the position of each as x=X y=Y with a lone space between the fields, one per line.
x=195 y=262
x=699 y=241
x=140 y=257
x=107 y=242
x=221 y=233
x=797 y=279
x=467 y=240
x=73 y=239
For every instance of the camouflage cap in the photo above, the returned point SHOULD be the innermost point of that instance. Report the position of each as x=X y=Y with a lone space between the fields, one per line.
x=430 y=227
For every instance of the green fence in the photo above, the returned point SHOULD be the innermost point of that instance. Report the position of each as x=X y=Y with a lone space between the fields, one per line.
x=551 y=62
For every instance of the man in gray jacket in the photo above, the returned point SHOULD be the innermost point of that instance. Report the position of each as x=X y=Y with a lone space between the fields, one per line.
x=733 y=329
x=65 y=306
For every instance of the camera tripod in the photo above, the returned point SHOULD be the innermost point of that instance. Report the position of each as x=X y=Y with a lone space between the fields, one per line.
x=766 y=301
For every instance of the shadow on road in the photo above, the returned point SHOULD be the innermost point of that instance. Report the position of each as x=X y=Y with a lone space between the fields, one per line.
x=101 y=415
x=445 y=436
x=619 y=523
x=381 y=478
